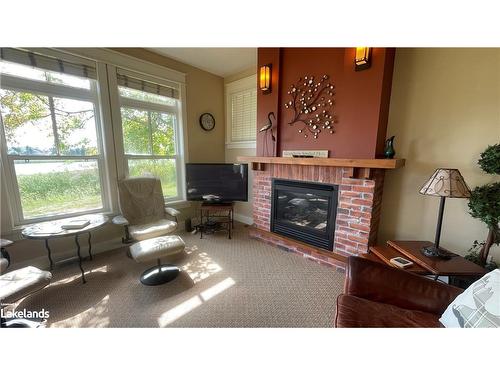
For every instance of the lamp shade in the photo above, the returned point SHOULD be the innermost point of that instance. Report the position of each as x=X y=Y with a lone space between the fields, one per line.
x=265 y=78
x=446 y=182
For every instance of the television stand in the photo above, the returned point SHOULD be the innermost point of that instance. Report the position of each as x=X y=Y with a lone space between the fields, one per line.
x=216 y=216
x=215 y=203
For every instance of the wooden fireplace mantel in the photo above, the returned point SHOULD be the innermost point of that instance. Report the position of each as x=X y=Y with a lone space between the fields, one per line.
x=364 y=165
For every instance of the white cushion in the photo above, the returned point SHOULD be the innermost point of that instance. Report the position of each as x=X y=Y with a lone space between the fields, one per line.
x=141 y=199
x=478 y=306
x=153 y=229
x=19 y=283
x=156 y=248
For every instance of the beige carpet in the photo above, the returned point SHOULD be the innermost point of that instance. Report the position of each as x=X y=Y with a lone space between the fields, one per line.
x=225 y=283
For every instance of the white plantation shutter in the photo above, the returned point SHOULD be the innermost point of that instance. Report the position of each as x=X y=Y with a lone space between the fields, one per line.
x=244 y=115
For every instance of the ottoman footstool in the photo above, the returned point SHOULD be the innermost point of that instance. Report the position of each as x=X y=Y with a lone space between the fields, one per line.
x=156 y=248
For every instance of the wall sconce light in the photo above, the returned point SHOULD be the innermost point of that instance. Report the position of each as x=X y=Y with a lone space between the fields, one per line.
x=265 y=78
x=362 y=60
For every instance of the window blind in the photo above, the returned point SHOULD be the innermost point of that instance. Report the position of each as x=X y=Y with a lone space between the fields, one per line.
x=244 y=115
x=46 y=62
x=126 y=79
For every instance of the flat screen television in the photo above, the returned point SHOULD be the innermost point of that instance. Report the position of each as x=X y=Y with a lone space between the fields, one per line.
x=217 y=182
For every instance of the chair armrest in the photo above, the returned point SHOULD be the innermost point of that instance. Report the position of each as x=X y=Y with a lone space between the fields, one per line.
x=172 y=211
x=5 y=243
x=119 y=220
x=381 y=283
x=4 y=264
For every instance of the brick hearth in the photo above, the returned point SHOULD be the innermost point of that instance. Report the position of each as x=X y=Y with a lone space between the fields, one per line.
x=358 y=212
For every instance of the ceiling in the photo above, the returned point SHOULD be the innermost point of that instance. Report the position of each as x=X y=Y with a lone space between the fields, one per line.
x=223 y=62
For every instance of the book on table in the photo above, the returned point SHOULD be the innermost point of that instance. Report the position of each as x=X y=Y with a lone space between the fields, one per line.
x=75 y=224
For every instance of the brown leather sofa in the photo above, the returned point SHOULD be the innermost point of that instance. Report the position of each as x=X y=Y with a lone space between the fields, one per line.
x=376 y=295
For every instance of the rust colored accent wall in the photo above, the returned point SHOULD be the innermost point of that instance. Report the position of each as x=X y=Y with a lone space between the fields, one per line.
x=385 y=98
x=361 y=99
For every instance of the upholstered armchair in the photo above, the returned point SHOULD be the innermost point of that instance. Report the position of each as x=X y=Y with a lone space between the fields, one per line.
x=18 y=284
x=144 y=214
x=376 y=295
x=4 y=254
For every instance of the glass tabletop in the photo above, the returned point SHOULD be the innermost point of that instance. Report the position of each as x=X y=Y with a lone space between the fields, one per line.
x=51 y=229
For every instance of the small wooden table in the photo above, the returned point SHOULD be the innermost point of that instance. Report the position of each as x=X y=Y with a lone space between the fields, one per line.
x=221 y=212
x=456 y=266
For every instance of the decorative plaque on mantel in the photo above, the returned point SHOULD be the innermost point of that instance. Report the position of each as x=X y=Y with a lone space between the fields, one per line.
x=305 y=153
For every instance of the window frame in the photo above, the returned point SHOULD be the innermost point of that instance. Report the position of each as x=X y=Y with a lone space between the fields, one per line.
x=20 y=84
x=106 y=60
x=244 y=84
x=179 y=129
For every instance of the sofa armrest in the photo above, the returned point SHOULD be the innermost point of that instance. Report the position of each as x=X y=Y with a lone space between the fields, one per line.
x=381 y=283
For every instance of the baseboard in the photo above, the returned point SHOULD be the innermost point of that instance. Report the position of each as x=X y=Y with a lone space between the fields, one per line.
x=243 y=219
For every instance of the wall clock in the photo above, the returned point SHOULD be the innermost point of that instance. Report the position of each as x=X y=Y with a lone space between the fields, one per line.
x=207 y=121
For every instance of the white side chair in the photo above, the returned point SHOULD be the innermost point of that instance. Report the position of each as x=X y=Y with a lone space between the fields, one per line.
x=144 y=214
x=3 y=251
x=145 y=219
x=18 y=284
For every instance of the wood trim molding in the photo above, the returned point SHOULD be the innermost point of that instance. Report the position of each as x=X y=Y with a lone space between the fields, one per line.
x=122 y=60
x=327 y=162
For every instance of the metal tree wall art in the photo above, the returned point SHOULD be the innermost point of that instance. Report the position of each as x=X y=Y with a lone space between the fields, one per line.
x=312 y=105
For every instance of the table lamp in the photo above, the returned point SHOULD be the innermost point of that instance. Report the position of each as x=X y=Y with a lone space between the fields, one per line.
x=444 y=183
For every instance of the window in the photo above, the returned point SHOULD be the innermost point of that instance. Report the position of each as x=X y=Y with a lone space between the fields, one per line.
x=75 y=121
x=241 y=113
x=150 y=131
x=50 y=136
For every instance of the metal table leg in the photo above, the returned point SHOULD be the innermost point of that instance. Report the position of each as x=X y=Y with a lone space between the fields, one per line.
x=79 y=259
x=90 y=247
x=127 y=239
x=49 y=254
x=201 y=223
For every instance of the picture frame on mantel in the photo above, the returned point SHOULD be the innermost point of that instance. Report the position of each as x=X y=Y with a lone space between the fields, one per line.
x=305 y=153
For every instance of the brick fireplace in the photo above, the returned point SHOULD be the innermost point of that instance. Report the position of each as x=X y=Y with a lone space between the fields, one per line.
x=358 y=209
x=355 y=147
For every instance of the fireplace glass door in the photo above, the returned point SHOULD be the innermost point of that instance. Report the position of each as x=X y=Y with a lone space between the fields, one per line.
x=304 y=211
